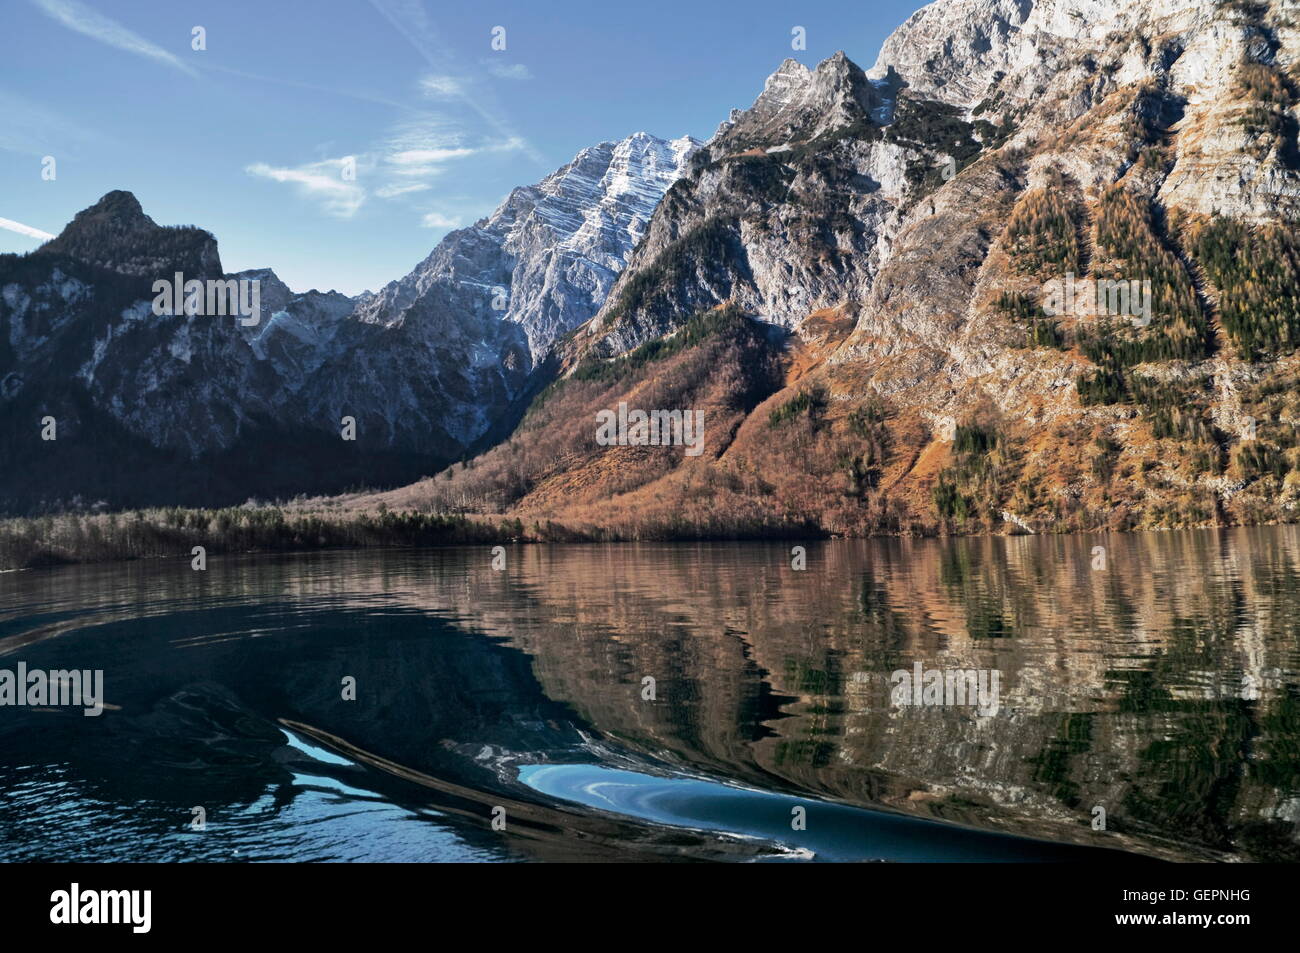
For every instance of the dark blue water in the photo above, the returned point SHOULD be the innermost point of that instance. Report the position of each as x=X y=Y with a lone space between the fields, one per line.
x=505 y=716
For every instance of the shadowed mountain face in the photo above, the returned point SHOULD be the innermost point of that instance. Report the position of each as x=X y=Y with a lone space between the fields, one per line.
x=1036 y=270
x=1161 y=689
x=115 y=234
x=475 y=318
x=204 y=407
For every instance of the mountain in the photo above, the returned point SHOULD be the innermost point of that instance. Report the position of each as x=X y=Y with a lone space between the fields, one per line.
x=116 y=234
x=799 y=105
x=475 y=318
x=147 y=407
x=901 y=298
x=205 y=409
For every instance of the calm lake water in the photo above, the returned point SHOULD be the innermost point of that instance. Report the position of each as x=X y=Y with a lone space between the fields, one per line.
x=642 y=702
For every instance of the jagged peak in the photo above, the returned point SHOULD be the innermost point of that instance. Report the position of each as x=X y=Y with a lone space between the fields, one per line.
x=273 y=282
x=588 y=214
x=642 y=136
x=799 y=103
x=836 y=61
x=639 y=140
x=791 y=71
x=950 y=50
x=266 y=276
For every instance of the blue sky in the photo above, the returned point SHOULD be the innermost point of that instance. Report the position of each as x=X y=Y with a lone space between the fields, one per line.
x=250 y=137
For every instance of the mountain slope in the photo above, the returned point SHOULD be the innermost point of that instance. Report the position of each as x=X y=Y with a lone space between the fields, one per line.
x=907 y=234
x=195 y=409
x=475 y=318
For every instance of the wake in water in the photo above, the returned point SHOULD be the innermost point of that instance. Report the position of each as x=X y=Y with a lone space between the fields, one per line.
x=420 y=705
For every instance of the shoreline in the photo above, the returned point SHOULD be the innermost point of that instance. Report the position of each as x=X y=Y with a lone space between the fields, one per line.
x=175 y=533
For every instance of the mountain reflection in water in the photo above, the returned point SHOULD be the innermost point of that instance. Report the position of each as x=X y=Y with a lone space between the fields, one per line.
x=1162 y=690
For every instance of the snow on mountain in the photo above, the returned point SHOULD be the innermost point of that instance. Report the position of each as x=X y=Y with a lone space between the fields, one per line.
x=426 y=365
x=554 y=248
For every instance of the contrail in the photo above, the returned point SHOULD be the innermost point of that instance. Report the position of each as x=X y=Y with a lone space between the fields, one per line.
x=79 y=17
x=22 y=229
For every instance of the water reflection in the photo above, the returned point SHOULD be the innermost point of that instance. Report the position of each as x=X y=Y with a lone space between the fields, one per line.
x=1161 y=689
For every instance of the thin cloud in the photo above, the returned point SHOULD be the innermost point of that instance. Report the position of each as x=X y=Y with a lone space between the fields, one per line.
x=438 y=220
x=10 y=225
x=509 y=145
x=394 y=190
x=422 y=156
x=31 y=129
x=328 y=90
x=441 y=86
x=409 y=19
x=508 y=70
x=320 y=181
x=80 y=18
x=418 y=148
x=416 y=171
x=428 y=160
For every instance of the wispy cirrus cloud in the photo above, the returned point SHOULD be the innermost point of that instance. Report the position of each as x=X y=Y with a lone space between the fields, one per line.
x=323 y=182
x=338 y=90
x=10 y=225
x=393 y=190
x=507 y=70
x=464 y=122
x=78 y=17
x=427 y=157
x=441 y=86
x=408 y=17
x=402 y=165
x=418 y=151
x=438 y=220
x=422 y=147
x=31 y=129
x=428 y=160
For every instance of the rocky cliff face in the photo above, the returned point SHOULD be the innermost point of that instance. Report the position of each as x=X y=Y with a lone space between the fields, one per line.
x=147 y=405
x=899 y=234
x=858 y=280
x=200 y=408
x=781 y=215
x=1052 y=62
x=798 y=104
x=476 y=317
x=571 y=234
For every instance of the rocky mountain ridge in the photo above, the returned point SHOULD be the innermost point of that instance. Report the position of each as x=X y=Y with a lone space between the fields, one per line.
x=200 y=409
x=893 y=253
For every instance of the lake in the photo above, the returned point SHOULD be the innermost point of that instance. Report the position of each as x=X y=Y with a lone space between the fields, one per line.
x=1139 y=701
